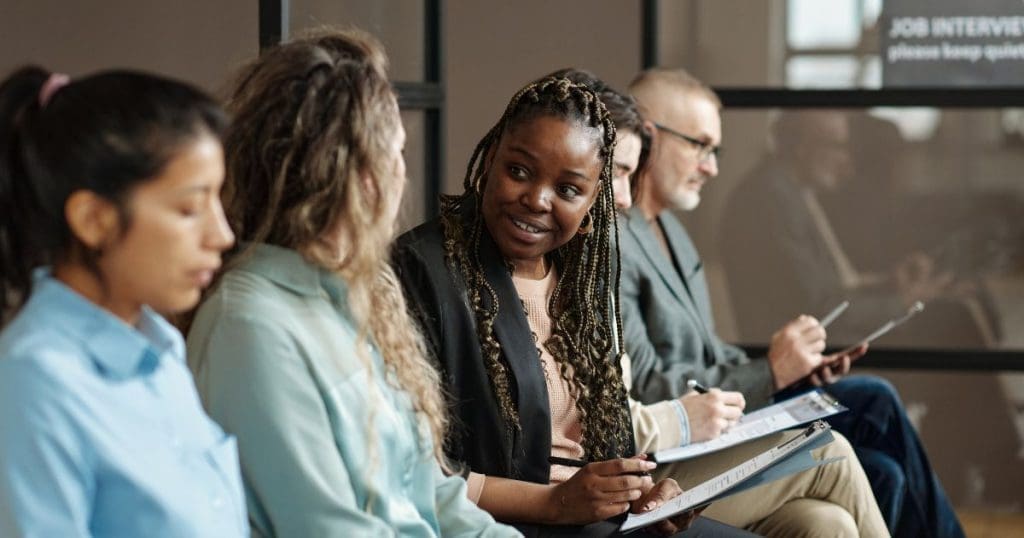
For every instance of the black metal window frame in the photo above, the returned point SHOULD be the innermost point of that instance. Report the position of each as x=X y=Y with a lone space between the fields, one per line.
x=764 y=98
x=427 y=95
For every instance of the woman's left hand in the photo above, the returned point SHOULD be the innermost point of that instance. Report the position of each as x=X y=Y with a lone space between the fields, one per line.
x=658 y=495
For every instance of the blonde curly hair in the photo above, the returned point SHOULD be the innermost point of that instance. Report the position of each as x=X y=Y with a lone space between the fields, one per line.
x=311 y=166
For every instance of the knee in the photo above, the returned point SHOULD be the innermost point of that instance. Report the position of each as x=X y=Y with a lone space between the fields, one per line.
x=808 y=518
x=878 y=389
x=839 y=447
x=873 y=399
x=883 y=471
x=833 y=521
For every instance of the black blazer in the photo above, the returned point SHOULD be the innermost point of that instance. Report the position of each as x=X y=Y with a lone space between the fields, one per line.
x=438 y=300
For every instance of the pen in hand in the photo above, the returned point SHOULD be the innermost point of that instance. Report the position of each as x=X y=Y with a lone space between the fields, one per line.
x=693 y=384
x=831 y=316
x=569 y=462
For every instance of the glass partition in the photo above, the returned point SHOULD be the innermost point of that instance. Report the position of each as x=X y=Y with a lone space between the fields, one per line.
x=882 y=207
x=846 y=44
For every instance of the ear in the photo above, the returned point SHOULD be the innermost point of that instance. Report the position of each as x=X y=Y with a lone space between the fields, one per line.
x=371 y=189
x=93 y=219
x=647 y=129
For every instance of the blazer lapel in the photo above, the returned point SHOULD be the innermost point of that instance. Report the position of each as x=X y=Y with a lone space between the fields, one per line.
x=690 y=264
x=685 y=256
x=656 y=257
x=662 y=262
x=513 y=333
x=692 y=268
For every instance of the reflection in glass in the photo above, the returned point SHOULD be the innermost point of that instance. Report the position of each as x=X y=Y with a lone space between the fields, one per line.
x=842 y=206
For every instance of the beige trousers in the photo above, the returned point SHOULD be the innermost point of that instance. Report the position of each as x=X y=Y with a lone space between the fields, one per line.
x=830 y=500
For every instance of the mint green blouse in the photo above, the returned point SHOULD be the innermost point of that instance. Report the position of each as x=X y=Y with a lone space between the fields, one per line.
x=327 y=446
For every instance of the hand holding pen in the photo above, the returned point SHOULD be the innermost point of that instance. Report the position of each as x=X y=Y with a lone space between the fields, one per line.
x=596 y=491
x=710 y=412
x=796 y=349
x=835 y=366
x=601 y=489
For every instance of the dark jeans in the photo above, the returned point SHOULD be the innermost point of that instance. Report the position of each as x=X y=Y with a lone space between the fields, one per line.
x=908 y=492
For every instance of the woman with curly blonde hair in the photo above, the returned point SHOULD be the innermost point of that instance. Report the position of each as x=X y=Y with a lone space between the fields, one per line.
x=304 y=349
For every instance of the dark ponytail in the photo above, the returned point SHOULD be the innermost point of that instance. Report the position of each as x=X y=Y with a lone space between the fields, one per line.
x=16 y=206
x=104 y=133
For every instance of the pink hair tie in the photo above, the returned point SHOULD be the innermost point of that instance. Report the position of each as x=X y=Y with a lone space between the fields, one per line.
x=50 y=87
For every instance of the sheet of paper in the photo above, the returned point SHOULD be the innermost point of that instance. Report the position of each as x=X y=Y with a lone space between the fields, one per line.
x=787 y=458
x=793 y=412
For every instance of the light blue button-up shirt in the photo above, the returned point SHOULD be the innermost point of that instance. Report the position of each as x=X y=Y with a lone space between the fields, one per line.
x=101 y=429
x=328 y=446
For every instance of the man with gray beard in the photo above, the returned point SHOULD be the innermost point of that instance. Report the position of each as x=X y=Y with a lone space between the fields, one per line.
x=669 y=331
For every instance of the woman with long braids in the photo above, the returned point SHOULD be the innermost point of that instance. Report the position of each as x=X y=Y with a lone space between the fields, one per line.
x=305 y=349
x=511 y=286
x=109 y=217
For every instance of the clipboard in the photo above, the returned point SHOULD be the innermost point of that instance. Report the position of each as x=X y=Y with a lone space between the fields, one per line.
x=787 y=414
x=791 y=456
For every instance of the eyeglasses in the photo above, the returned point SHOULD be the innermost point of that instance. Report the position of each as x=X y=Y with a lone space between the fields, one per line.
x=704 y=149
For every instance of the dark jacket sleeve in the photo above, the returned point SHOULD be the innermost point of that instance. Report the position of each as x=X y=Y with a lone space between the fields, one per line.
x=421 y=296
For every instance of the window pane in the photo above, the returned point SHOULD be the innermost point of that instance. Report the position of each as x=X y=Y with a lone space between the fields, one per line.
x=882 y=207
x=739 y=43
x=822 y=23
x=822 y=72
x=397 y=23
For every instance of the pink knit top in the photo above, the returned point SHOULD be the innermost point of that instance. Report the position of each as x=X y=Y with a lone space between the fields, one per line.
x=566 y=432
x=656 y=427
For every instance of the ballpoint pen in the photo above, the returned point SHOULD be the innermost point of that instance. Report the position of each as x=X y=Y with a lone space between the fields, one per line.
x=831 y=316
x=693 y=384
x=569 y=462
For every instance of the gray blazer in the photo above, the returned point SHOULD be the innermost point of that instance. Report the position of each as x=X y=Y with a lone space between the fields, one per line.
x=668 y=326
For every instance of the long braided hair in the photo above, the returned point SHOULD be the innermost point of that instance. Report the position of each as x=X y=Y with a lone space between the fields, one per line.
x=586 y=339
x=624 y=111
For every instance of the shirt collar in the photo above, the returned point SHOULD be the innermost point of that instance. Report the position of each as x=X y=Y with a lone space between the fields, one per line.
x=288 y=269
x=118 y=348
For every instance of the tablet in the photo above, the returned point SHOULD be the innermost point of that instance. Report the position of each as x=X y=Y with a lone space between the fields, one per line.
x=887 y=326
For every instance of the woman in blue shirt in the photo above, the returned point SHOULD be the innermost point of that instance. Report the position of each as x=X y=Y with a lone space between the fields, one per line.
x=109 y=213
x=304 y=350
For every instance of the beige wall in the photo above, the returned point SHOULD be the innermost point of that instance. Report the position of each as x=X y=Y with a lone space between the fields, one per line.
x=494 y=48
x=397 y=23
x=197 y=40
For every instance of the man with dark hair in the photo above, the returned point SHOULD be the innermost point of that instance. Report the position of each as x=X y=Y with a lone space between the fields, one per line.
x=670 y=335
